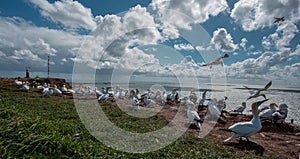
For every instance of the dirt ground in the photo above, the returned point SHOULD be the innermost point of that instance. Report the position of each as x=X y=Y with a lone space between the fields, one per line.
x=281 y=140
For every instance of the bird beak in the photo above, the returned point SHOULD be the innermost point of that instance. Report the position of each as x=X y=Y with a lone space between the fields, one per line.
x=261 y=102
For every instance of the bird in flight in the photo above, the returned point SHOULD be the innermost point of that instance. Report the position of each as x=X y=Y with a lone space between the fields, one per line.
x=277 y=20
x=257 y=93
x=217 y=61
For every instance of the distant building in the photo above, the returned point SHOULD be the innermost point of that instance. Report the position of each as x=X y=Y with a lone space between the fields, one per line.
x=27 y=73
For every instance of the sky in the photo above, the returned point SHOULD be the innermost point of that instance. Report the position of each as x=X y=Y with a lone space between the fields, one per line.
x=154 y=37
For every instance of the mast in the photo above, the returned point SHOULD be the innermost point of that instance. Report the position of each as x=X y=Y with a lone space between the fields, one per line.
x=48 y=66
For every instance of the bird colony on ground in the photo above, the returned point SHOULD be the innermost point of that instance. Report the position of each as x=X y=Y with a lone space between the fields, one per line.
x=193 y=104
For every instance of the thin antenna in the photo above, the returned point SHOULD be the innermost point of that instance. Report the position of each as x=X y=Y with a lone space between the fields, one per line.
x=48 y=66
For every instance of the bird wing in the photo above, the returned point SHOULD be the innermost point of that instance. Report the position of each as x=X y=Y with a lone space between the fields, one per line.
x=204 y=94
x=215 y=62
x=239 y=109
x=247 y=87
x=265 y=88
x=193 y=115
x=266 y=113
x=243 y=128
x=268 y=85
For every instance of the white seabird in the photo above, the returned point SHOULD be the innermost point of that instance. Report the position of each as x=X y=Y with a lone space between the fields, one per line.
x=133 y=100
x=173 y=95
x=148 y=101
x=64 y=89
x=18 y=83
x=267 y=113
x=213 y=111
x=25 y=87
x=246 y=129
x=56 y=91
x=257 y=93
x=47 y=92
x=217 y=61
x=281 y=114
x=191 y=113
x=240 y=108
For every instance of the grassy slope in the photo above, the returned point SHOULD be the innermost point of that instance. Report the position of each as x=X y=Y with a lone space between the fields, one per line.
x=31 y=126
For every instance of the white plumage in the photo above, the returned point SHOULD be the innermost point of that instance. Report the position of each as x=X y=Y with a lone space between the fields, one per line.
x=249 y=128
x=240 y=108
x=267 y=113
x=192 y=114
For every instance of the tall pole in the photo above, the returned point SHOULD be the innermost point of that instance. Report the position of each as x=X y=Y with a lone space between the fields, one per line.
x=48 y=66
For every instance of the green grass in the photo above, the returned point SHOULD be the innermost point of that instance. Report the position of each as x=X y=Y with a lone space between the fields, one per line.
x=35 y=127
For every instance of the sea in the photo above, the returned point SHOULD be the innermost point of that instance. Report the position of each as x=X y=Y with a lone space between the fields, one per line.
x=235 y=92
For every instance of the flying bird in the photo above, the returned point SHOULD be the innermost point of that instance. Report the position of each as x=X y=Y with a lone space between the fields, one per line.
x=249 y=128
x=257 y=93
x=277 y=20
x=217 y=61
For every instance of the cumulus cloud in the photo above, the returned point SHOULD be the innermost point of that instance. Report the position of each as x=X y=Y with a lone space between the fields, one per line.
x=28 y=58
x=243 y=43
x=18 y=36
x=71 y=14
x=40 y=47
x=255 y=14
x=223 y=40
x=183 y=47
x=181 y=14
x=117 y=37
x=281 y=38
x=293 y=70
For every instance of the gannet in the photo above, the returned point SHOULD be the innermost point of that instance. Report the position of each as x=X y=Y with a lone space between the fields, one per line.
x=240 y=108
x=191 y=113
x=202 y=100
x=277 y=20
x=161 y=97
x=48 y=92
x=149 y=102
x=246 y=129
x=221 y=104
x=18 y=83
x=98 y=93
x=281 y=114
x=56 y=91
x=25 y=87
x=137 y=94
x=267 y=113
x=214 y=112
x=193 y=96
x=217 y=61
x=173 y=95
x=64 y=89
x=103 y=97
x=133 y=100
x=257 y=94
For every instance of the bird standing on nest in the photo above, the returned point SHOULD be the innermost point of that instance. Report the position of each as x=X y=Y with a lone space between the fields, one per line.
x=249 y=128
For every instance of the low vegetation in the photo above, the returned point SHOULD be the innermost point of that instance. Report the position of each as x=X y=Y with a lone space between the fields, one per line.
x=35 y=127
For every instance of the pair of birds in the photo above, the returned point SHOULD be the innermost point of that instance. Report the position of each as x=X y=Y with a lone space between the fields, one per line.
x=249 y=128
x=253 y=94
